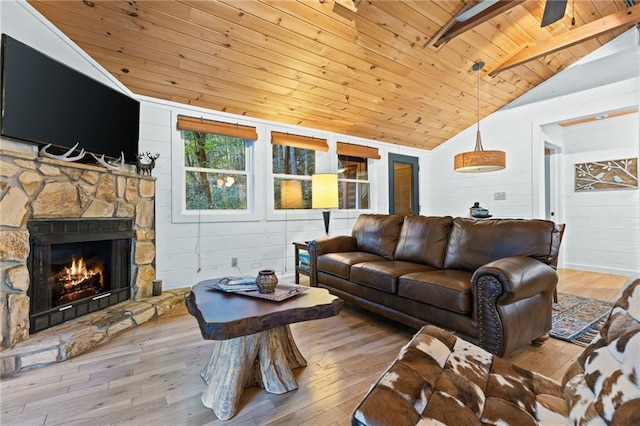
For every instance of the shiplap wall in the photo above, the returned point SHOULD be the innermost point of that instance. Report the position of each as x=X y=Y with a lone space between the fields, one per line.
x=190 y=252
x=603 y=235
x=522 y=132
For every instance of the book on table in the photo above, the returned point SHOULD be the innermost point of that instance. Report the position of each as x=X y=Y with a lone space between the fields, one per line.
x=235 y=284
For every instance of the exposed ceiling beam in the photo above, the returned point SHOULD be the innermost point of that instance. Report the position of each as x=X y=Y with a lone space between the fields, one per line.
x=454 y=27
x=597 y=117
x=588 y=31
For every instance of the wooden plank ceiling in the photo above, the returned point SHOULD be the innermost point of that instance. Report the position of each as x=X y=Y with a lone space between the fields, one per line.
x=370 y=73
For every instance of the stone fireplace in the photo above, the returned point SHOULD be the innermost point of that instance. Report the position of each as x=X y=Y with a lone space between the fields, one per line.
x=42 y=195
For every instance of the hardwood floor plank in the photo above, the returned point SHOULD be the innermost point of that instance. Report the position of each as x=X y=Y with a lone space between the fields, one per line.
x=151 y=374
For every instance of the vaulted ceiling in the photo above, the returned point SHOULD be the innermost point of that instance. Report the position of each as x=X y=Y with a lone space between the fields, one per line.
x=374 y=69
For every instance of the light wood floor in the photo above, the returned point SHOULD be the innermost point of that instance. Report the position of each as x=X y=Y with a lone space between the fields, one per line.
x=150 y=375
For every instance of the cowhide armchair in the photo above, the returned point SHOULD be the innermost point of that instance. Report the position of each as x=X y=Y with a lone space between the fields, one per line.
x=440 y=379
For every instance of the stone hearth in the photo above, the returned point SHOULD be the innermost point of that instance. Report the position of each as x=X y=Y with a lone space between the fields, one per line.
x=32 y=187
x=70 y=339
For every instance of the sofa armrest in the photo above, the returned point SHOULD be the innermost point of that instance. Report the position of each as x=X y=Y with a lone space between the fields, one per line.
x=337 y=244
x=513 y=302
x=521 y=276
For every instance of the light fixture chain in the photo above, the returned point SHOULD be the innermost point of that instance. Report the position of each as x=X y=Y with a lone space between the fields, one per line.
x=478 y=96
x=477 y=67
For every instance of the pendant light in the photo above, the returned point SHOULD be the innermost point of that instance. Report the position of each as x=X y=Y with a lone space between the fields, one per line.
x=479 y=160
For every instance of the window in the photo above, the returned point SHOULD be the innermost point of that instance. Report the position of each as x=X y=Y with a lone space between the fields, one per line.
x=217 y=166
x=353 y=183
x=292 y=170
x=294 y=161
x=216 y=171
x=354 y=187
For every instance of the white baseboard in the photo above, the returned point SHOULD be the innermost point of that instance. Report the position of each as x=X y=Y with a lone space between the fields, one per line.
x=602 y=270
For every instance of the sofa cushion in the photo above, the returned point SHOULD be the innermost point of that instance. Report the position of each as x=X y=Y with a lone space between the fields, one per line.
x=423 y=239
x=339 y=264
x=603 y=386
x=476 y=242
x=378 y=233
x=440 y=379
x=448 y=289
x=384 y=275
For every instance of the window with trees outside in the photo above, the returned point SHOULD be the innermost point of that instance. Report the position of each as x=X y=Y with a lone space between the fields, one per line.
x=294 y=161
x=216 y=171
x=217 y=162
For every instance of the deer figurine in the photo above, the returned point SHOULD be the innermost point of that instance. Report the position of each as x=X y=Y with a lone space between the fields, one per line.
x=145 y=167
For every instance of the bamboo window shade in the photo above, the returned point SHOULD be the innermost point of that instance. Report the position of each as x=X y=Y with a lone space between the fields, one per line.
x=217 y=127
x=297 y=141
x=353 y=150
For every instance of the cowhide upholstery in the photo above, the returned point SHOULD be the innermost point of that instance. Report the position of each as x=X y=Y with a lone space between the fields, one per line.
x=603 y=385
x=440 y=379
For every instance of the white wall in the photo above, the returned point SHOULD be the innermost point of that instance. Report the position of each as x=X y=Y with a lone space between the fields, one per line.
x=521 y=129
x=190 y=252
x=603 y=230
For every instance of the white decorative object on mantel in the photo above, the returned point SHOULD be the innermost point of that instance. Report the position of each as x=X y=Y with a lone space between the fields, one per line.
x=605 y=175
x=118 y=164
x=62 y=157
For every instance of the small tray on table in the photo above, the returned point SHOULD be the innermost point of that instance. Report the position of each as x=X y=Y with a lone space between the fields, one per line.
x=282 y=292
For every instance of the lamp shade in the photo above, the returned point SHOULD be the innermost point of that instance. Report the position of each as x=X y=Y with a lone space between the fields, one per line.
x=479 y=161
x=291 y=194
x=324 y=191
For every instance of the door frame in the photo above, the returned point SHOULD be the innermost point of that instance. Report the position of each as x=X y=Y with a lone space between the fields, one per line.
x=415 y=186
x=553 y=182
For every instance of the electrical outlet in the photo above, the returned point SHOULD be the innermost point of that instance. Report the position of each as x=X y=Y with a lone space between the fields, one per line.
x=234 y=262
x=499 y=195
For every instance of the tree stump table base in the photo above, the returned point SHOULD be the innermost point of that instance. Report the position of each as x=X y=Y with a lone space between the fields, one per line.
x=252 y=341
x=262 y=359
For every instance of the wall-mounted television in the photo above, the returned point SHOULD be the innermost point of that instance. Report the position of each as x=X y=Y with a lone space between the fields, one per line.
x=46 y=102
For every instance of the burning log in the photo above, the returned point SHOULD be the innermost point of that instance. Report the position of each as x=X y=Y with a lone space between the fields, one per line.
x=76 y=280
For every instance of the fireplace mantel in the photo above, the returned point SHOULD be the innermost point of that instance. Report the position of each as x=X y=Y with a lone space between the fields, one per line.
x=33 y=187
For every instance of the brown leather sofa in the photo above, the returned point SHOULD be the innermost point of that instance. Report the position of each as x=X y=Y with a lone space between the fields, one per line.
x=491 y=281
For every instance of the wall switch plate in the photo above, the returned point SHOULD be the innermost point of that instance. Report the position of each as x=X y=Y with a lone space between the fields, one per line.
x=234 y=262
x=499 y=195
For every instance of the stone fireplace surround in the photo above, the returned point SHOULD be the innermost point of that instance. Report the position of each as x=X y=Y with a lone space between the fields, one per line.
x=32 y=187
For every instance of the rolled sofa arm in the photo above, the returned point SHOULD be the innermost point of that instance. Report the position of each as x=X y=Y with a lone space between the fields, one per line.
x=315 y=248
x=513 y=302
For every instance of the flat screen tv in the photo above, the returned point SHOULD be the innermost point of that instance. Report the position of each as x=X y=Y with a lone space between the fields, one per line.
x=47 y=102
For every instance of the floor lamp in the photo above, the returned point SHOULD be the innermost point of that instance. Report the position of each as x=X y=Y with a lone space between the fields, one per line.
x=324 y=194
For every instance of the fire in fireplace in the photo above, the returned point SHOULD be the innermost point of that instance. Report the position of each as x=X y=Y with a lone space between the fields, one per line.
x=76 y=267
x=76 y=280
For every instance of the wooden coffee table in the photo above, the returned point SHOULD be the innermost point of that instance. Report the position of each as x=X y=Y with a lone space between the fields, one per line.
x=253 y=345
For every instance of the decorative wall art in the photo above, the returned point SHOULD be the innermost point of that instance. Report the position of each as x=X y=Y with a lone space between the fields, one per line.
x=609 y=174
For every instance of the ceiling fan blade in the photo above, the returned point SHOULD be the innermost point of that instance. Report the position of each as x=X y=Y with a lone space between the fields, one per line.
x=553 y=11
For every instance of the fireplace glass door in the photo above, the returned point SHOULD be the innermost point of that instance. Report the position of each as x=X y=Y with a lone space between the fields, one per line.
x=75 y=273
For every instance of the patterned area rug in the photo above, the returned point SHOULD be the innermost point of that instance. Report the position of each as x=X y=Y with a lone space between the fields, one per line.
x=578 y=319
